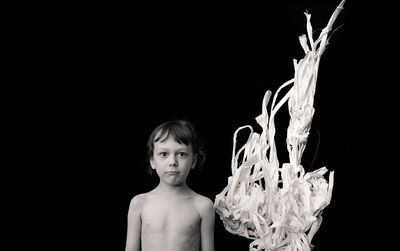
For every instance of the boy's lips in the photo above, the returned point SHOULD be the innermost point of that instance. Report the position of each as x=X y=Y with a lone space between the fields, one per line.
x=172 y=172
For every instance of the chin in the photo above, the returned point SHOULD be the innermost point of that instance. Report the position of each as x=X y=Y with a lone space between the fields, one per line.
x=175 y=183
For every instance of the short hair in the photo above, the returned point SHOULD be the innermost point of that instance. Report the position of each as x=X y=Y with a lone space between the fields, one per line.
x=183 y=132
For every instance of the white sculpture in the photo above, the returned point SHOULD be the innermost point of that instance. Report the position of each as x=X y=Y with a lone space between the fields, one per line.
x=280 y=207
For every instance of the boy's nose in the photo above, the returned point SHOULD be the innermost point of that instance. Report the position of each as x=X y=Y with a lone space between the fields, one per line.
x=172 y=161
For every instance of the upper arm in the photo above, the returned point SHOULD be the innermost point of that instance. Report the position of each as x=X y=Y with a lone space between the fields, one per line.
x=134 y=224
x=207 y=225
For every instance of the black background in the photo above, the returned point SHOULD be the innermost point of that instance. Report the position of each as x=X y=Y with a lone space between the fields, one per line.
x=84 y=84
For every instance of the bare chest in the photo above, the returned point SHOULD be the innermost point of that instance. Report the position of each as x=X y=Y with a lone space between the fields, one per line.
x=170 y=217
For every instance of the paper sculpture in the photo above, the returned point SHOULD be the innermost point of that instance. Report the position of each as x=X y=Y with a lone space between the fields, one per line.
x=278 y=206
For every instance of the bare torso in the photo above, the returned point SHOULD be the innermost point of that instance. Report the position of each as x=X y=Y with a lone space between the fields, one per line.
x=170 y=224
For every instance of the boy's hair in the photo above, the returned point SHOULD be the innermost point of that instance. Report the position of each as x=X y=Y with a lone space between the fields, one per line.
x=183 y=132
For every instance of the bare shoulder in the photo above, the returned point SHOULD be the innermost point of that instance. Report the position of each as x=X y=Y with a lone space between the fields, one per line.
x=203 y=204
x=138 y=201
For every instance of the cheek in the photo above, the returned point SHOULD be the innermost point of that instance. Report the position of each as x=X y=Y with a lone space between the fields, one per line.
x=188 y=165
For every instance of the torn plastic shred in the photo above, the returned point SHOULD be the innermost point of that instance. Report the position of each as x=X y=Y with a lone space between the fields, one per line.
x=280 y=208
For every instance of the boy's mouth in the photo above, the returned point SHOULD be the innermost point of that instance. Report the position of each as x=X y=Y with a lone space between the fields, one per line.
x=172 y=172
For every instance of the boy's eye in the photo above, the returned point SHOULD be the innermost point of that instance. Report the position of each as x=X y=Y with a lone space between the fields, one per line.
x=182 y=154
x=162 y=154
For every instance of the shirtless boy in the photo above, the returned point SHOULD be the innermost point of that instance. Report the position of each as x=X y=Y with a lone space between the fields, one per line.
x=172 y=217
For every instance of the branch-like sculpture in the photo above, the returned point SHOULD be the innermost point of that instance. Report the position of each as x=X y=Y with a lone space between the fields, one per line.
x=280 y=207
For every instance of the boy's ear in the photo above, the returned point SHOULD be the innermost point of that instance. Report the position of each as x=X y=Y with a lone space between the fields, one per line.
x=152 y=164
x=194 y=162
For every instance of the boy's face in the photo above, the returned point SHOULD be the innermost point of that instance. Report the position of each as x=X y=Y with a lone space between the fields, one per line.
x=172 y=161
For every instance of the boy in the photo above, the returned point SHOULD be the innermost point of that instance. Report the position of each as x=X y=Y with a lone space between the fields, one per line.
x=172 y=217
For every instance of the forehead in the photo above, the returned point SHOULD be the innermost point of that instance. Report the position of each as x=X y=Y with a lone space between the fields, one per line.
x=170 y=143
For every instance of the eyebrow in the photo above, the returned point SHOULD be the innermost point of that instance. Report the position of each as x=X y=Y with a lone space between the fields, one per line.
x=167 y=148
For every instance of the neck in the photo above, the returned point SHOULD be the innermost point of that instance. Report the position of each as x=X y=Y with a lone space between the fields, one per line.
x=166 y=189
